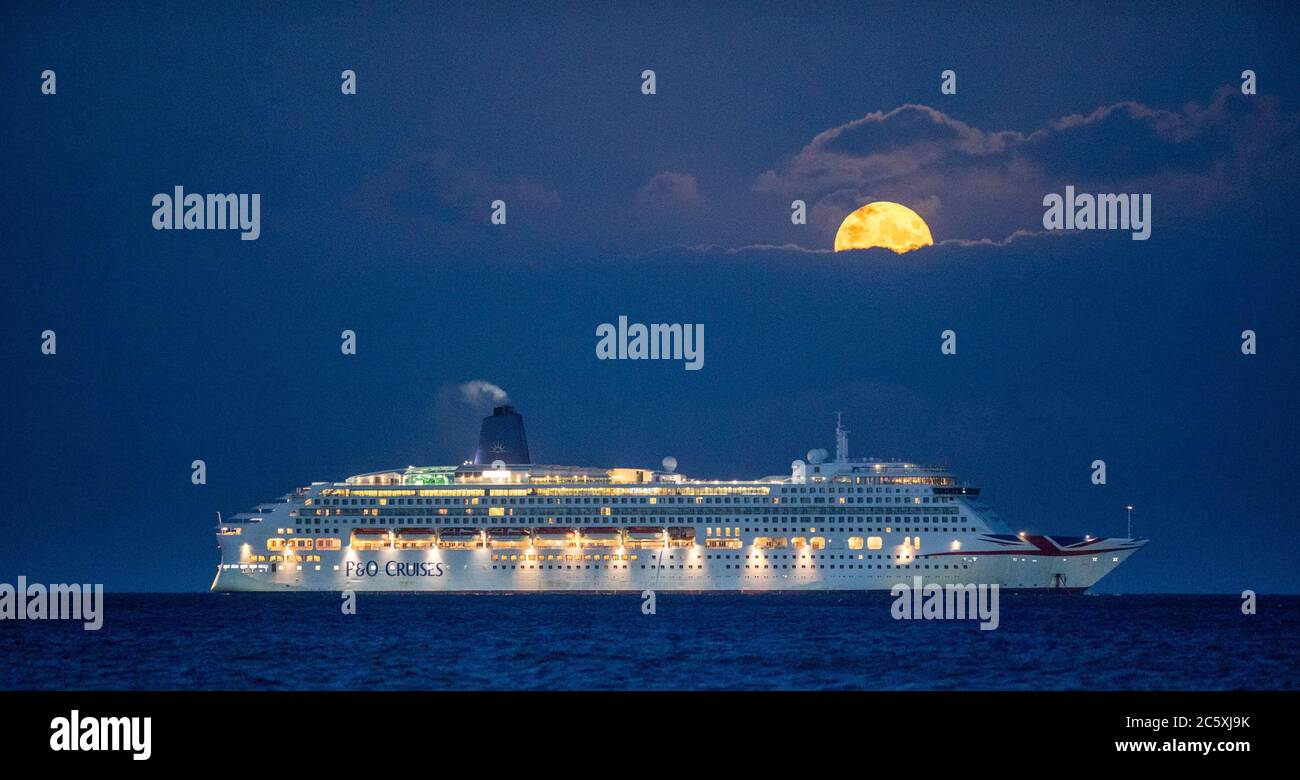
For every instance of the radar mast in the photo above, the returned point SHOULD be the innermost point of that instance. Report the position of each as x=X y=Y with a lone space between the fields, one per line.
x=841 y=439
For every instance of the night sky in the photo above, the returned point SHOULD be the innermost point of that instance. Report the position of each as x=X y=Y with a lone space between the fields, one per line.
x=183 y=345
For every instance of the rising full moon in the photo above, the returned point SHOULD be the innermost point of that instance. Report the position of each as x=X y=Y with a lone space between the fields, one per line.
x=883 y=224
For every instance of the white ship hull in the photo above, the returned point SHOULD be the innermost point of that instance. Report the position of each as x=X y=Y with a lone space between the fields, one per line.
x=475 y=528
x=687 y=569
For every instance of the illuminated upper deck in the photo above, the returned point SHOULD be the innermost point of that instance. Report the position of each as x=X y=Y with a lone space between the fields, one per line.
x=816 y=470
x=861 y=472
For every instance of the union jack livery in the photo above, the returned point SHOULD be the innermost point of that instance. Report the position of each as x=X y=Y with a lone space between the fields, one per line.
x=503 y=523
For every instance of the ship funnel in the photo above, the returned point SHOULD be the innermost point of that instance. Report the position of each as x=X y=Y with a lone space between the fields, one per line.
x=502 y=437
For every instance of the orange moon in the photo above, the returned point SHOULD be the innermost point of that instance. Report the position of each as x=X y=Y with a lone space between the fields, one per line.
x=883 y=224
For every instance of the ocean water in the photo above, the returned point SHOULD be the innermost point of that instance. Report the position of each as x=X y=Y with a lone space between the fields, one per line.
x=711 y=641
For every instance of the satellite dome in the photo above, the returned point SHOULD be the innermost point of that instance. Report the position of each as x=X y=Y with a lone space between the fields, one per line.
x=498 y=464
x=670 y=464
x=816 y=456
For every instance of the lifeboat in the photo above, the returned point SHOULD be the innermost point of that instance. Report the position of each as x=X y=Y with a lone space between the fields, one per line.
x=459 y=538
x=645 y=536
x=509 y=537
x=416 y=538
x=681 y=536
x=601 y=537
x=371 y=539
x=555 y=536
x=771 y=542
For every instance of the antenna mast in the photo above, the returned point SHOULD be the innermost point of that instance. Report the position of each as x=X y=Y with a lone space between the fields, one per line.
x=841 y=439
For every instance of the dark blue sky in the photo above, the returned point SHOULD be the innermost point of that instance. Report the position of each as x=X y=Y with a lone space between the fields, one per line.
x=182 y=345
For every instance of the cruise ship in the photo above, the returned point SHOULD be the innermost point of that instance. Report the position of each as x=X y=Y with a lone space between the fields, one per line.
x=501 y=523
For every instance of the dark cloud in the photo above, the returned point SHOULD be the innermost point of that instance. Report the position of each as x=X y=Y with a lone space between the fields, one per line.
x=976 y=185
x=435 y=198
x=670 y=191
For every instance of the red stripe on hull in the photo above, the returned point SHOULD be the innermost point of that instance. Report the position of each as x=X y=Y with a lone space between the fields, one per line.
x=1043 y=553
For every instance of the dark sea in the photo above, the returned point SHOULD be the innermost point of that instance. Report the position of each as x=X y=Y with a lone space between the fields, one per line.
x=712 y=641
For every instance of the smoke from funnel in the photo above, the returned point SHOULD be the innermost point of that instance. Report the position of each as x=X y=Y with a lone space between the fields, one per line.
x=480 y=391
x=455 y=408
